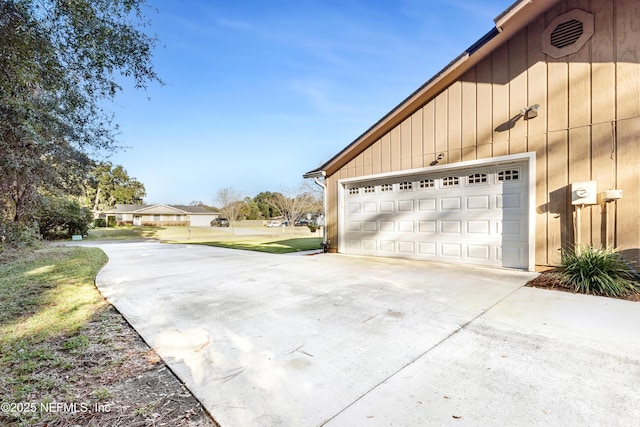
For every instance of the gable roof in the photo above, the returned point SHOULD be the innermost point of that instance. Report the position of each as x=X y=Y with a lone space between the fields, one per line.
x=513 y=19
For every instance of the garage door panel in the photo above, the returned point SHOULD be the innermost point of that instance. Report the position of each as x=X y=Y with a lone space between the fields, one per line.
x=370 y=244
x=427 y=248
x=405 y=226
x=478 y=202
x=509 y=201
x=387 y=245
x=510 y=255
x=370 y=207
x=369 y=226
x=387 y=206
x=451 y=250
x=479 y=227
x=387 y=226
x=427 y=226
x=451 y=227
x=406 y=247
x=428 y=205
x=354 y=225
x=474 y=216
x=405 y=206
x=480 y=252
x=450 y=203
x=354 y=208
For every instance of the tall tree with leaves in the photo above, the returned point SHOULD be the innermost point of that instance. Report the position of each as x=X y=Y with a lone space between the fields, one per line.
x=110 y=184
x=59 y=61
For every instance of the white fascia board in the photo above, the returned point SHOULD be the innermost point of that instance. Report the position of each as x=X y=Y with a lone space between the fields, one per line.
x=448 y=166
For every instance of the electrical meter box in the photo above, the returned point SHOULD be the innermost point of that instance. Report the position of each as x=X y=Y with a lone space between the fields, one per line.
x=584 y=193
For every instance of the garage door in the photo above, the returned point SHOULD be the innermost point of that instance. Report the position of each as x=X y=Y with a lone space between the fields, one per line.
x=472 y=216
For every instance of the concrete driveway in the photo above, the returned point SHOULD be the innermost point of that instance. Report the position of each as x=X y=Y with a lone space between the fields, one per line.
x=293 y=340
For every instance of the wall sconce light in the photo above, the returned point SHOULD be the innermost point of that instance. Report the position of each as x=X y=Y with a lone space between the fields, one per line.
x=530 y=112
x=435 y=162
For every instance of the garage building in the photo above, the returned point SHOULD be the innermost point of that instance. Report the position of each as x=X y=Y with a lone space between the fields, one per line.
x=525 y=144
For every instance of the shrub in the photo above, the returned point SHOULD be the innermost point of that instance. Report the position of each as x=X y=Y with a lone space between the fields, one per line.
x=18 y=236
x=597 y=271
x=58 y=217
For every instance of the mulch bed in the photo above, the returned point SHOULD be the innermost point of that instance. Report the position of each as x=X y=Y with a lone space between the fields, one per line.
x=549 y=280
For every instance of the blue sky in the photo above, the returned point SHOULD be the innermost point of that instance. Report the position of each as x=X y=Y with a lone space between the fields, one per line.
x=260 y=92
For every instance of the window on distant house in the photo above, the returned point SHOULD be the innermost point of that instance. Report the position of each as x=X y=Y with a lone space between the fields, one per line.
x=156 y=217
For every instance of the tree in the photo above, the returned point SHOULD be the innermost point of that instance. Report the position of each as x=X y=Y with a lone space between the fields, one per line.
x=264 y=200
x=250 y=210
x=295 y=202
x=231 y=203
x=110 y=184
x=59 y=61
x=59 y=215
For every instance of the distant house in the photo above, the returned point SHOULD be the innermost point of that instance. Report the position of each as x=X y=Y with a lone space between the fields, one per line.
x=525 y=144
x=167 y=215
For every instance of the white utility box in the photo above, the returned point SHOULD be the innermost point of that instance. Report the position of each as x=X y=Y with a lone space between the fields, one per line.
x=610 y=195
x=584 y=193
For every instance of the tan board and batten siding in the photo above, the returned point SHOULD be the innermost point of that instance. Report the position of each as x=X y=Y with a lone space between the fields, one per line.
x=587 y=128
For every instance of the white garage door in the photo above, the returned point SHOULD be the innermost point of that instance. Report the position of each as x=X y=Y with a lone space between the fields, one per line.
x=474 y=216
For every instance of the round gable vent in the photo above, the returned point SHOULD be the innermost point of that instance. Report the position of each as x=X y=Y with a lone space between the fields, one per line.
x=567 y=33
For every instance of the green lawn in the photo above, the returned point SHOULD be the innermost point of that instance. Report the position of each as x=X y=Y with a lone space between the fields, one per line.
x=255 y=239
x=46 y=298
x=275 y=246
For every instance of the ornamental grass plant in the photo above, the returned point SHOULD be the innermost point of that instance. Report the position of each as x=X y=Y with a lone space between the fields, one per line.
x=597 y=271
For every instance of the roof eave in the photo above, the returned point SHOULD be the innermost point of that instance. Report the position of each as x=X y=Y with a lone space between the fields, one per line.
x=512 y=20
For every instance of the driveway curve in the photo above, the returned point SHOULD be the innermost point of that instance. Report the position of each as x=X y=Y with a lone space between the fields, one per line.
x=295 y=340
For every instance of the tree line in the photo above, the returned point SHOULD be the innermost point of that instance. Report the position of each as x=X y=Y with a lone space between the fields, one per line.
x=290 y=204
x=60 y=64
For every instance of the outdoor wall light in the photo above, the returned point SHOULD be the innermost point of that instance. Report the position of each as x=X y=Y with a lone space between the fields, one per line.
x=435 y=162
x=530 y=112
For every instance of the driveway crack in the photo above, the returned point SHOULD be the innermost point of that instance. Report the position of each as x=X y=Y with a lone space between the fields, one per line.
x=411 y=362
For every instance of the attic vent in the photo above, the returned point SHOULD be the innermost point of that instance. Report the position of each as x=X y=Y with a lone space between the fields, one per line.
x=566 y=33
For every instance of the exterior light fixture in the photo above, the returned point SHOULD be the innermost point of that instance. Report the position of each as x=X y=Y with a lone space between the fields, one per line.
x=530 y=112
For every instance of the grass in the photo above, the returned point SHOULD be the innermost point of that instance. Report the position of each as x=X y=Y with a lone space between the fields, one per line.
x=48 y=293
x=46 y=297
x=262 y=244
x=60 y=341
x=255 y=239
x=167 y=234
x=122 y=233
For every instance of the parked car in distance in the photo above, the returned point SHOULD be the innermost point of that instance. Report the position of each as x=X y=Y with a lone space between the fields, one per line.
x=301 y=223
x=271 y=224
x=220 y=222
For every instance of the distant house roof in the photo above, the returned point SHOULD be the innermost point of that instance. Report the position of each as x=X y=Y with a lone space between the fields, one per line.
x=160 y=209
